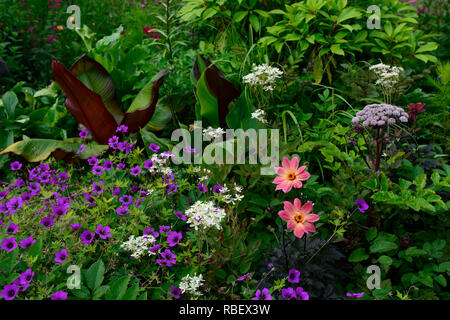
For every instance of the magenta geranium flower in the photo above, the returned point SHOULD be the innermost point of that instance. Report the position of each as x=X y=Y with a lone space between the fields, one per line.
x=294 y=276
x=135 y=170
x=27 y=276
x=175 y=292
x=83 y=134
x=87 y=237
x=288 y=293
x=59 y=295
x=122 y=211
x=355 y=295
x=92 y=161
x=262 y=295
x=9 y=244
x=47 y=222
x=290 y=175
x=122 y=128
x=202 y=188
x=10 y=291
x=103 y=231
x=300 y=294
x=245 y=276
x=153 y=147
x=16 y=165
x=362 y=205
x=27 y=242
x=180 y=215
x=12 y=228
x=61 y=256
x=174 y=238
x=96 y=169
x=108 y=165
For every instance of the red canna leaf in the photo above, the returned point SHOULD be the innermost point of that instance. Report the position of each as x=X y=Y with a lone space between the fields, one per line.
x=84 y=104
x=143 y=106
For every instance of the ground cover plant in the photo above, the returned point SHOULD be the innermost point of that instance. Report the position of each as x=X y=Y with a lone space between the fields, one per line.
x=224 y=150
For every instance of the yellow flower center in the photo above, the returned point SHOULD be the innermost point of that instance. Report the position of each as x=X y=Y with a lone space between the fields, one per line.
x=299 y=217
x=291 y=176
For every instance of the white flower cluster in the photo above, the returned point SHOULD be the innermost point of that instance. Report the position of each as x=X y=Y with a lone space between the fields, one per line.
x=231 y=196
x=260 y=115
x=161 y=164
x=387 y=75
x=378 y=115
x=203 y=174
x=139 y=245
x=204 y=215
x=263 y=75
x=191 y=284
x=211 y=134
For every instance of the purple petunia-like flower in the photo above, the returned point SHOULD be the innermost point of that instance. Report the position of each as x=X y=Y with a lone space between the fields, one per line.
x=61 y=256
x=27 y=242
x=97 y=187
x=148 y=164
x=175 y=292
x=154 y=147
x=12 y=228
x=35 y=188
x=121 y=165
x=47 y=222
x=245 y=276
x=288 y=293
x=87 y=237
x=9 y=244
x=202 y=188
x=59 y=295
x=174 y=238
x=103 y=231
x=262 y=295
x=180 y=215
x=362 y=205
x=83 y=134
x=14 y=204
x=168 y=258
x=16 y=165
x=294 y=276
x=10 y=291
x=355 y=295
x=135 y=170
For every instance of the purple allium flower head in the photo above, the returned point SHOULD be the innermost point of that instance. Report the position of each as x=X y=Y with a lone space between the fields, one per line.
x=122 y=211
x=83 y=134
x=362 y=205
x=300 y=294
x=245 y=276
x=97 y=170
x=10 y=291
x=61 y=256
x=122 y=128
x=174 y=238
x=108 y=165
x=175 y=292
x=180 y=215
x=92 y=161
x=47 y=222
x=135 y=170
x=87 y=236
x=16 y=165
x=202 y=188
x=103 y=231
x=9 y=244
x=153 y=147
x=75 y=226
x=27 y=242
x=294 y=276
x=59 y=295
x=262 y=295
x=355 y=295
x=12 y=228
x=288 y=293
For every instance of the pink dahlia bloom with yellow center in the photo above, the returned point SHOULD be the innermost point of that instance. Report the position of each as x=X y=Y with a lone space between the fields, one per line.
x=298 y=217
x=290 y=175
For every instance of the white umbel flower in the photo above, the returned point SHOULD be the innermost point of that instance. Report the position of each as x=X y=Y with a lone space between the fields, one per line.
x=259 y=115
x=191 y=284
x=139 y=245
x=388 y=76
x=263 y=75
x=211 y=134
x=204 y=215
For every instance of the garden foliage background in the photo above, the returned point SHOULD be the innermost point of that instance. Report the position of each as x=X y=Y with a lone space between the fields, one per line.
x=86 y=180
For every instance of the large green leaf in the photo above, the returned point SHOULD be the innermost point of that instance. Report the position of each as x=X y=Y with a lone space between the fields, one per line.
x=10 y=102
x=95 y=275
x=96 y=78
x=34 y=150
x=118 y=288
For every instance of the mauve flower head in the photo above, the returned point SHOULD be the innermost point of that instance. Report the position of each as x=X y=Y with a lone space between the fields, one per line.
x=288 y=293
x=61 y=256
x=174 y=238
x=300 y=294
x=153 y=147
x=362 y=205
x=175 y=292
x=355 y=295
x=294 y=276
x=263 y=294
x=380 y=115
x=103 y=231
x=92 y=161
x=180 y=215
x=16 y=165
x=9 y=291
x=9 y=244
x=83 y=134
x=47 y=222
x=87 y=236
x=59 y=295
x=27 y=242
x=202 y=188
x=12 y=228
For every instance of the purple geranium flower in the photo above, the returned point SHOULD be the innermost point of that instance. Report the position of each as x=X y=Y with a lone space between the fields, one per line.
x=175 y=292
x=151 y=231
x=27 y=242
x=10 y=291
x=82 y=148
x=83 y=134
x=122 y=211
x=362 y=205
x=245 y=276
x=87 y=236
x=59 y=295
x=294 y=276
x=171 y=188
x=288 y=293
x=122 y=128
x=153 y=147
x=217 y=188
x=92 y=161
x=116 y=191
x=27 y=276
x=103 y=232
x=108 y=165
x=61 y=256
x=75 y=226
x=202 y=188
x=355 y=295
x=174 y=238
x=47 y=222
x=14 y=204
x=9 y=244
x=300 y=294
x=97 y=186
x=12 y=228
x=97 y=170
x=180 y=215
x=155 y=248
x=16 y=165
x=126 y=200
x=262 y=295
x=135 y=170
x=148 y=164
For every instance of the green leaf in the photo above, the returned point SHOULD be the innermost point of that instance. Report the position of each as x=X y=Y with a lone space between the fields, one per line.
x=131 y=293
x=336 y=49
x=381 y=246
x=414 y=252
x=348 y=13
x=430 y=46
x=99 y=292
x=238 y=16
x=255 y=22
x=10 y=102
x=358 y=255
x=385 y=261
x=371 y=234
x=95 y=275
x=210 y=12
x=118 y=288
x=441 y=280
x=444 y=267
